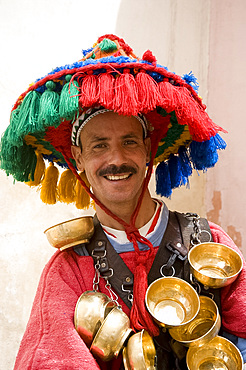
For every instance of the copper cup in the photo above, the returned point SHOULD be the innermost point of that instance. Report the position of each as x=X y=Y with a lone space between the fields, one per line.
x=214 y=265
x=219 y=353
x=202 y=328
x=91 y=309
x=140 y=353
x=172 y=301
x=70 y=233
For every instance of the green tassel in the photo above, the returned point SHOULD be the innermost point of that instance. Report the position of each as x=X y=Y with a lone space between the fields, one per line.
x=12 y=136
x=27 y=117
x=69 y=100
x=18 y=161
x=49 y=106
x=27 y=160
x=107 y=46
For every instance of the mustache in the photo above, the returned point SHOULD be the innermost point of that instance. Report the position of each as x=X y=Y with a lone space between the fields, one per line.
x=115 y=170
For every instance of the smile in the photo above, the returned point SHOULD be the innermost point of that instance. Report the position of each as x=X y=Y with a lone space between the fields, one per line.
x=117 y=177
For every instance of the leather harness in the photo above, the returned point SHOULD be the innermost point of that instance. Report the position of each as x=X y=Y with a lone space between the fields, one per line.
x=171 y=255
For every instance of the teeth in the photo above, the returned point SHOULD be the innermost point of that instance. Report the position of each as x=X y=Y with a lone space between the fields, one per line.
x=117 y=177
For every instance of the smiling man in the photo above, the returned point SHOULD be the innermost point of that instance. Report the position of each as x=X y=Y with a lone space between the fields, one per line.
x=113 y=152
x=107 y=121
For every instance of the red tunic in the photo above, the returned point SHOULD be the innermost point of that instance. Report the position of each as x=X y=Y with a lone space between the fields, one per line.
x=51 y=341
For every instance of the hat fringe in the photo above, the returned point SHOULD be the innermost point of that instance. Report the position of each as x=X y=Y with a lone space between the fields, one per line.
x=170 y=96
x=89 y=91
x=126 y=94
x=148 y=93
x=82 y=200
x=204 y=155
x=19 y=161
x=163 y=180
x=49 y=193
x=106 y=82
x=49 y=106
x=25 y=119
x=69 y=99
x=66 y=187
x=11 y=131
x=177 y=169
x=39 y=171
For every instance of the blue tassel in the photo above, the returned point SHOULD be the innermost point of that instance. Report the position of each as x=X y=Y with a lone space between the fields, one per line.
x=191 y=80
x=163 y=180
x=174 y=166
x=185 y=164
x=204 y=155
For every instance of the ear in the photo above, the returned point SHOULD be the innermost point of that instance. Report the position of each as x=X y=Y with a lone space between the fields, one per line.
x=147 y=144
x=77 y=155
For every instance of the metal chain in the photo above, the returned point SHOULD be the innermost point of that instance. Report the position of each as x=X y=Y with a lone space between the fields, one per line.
x=97 y=276
x=195 y=236
x=112 y=294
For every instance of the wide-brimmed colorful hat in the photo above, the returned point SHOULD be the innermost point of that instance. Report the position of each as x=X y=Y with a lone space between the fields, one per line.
x=109 y=75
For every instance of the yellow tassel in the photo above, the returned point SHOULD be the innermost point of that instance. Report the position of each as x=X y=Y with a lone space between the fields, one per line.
x=82 y=198
x=48 y=192
x=66 y=187
x=39 y=171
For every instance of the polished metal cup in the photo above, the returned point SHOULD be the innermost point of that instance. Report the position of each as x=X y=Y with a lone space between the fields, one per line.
x=140 y=353
x=214 y=265
x=204 y=327
x=219 y=353
x=171 y=301
x=91 y=309
x=70 y=233
x=111 y=335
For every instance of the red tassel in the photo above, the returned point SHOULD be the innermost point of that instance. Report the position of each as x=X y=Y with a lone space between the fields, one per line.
x=139 y=316
x=189 y=112
x=149 y=57
x=148 y=94
x=126 y=97
x=170 y=96
x=106 y=83
x=89 y=91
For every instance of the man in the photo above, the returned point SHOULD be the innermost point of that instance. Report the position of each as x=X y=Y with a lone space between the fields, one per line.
x=114 y=154
x=124 y=116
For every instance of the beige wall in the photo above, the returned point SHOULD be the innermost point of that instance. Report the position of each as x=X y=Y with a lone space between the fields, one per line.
x=204 y=36
x=225 y=190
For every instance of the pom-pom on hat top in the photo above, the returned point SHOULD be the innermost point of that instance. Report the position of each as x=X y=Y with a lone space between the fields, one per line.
x=109 y=75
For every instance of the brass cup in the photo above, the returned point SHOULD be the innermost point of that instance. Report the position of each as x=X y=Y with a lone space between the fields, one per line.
x=91 y=309
x=218 y=353
x=214 y=265
x=172 y=301
x=70 y=233
x=111 y=335
x=140 y=353
x=202 y=328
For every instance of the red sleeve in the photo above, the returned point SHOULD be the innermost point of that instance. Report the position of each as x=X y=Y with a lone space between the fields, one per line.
x=233 y=297
x=50 y=340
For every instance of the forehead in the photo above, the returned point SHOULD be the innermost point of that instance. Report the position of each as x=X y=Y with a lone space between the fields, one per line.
x=112 y=124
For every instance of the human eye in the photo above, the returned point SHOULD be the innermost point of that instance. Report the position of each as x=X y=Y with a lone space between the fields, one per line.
x=130 y=142
x=99 y=146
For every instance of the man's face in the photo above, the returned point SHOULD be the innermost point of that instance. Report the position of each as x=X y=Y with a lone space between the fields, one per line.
x=114 y=156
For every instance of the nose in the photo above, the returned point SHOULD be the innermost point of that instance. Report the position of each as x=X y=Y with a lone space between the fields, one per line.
x=117 y=155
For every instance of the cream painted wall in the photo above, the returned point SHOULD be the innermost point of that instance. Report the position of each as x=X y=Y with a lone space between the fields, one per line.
x=37 y=36
x=225 y=191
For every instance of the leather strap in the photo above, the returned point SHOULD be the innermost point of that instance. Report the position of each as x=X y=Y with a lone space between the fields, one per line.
x=175 y=244
x=121 y=273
